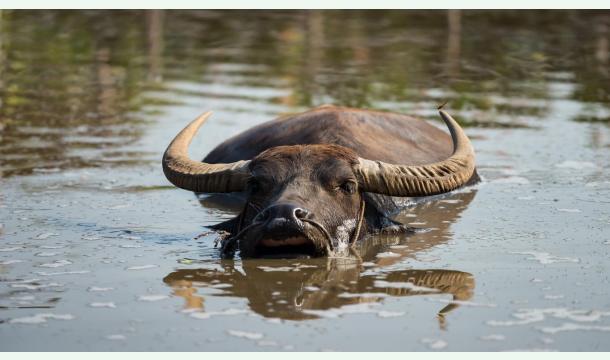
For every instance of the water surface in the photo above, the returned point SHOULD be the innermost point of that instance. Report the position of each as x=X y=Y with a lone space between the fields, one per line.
x=99 y=252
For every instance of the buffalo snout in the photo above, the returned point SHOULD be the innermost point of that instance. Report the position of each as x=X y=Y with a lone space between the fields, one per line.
x=283 y=217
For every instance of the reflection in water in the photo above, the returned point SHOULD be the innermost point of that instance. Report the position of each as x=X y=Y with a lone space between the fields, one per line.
x=454 y=20
x=73 y=82
x=77 y=89
x=434 y=216
x=297 y=291
x=155 y=44
x=2 y=57
x=70 y=84
x=602 y=49
x=306 y=288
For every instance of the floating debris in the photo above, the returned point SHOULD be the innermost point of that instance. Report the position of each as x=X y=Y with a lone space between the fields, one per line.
x=279 y=268
x=553 y=297
x=110 y=305
x=388 y=254
x=151 y=298
x=569 y=210
x=245 y=334
x=142 y=267
x=52 y=246
x=450 y=201
x=10 y=262
x=493 y=337
x=527 y=316
x=388 y=314
x=45 y=235
x=34 y=286
x=227 y=312
x=545 y=258
x=573 y=327
x=130 y=237
x=46 y=254
x=41 y=318
x=116 y=337
x=130 y=246
x=56 y=264
x=119 y=206
x=99 y=289
x=435 y=344
x=15 y=248
x=76 y=272
x=221 y=286
x=576 y=165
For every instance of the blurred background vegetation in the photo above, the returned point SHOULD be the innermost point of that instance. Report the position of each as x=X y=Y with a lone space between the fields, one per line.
x=90 y=79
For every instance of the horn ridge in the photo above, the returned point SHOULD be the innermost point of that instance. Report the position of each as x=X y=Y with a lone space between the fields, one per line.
x=199 y=176
x=422 y=180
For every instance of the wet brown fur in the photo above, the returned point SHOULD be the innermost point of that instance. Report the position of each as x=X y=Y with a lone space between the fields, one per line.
x=374 y=135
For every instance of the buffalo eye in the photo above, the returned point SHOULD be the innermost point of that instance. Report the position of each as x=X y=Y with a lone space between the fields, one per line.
x=349 y=187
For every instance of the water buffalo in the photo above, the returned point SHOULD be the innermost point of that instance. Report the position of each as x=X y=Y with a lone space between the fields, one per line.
x=316 y=182
x=309 y=288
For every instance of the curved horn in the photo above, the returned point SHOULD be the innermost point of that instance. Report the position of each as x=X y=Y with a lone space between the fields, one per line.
x=422 y=180
x=198 y=176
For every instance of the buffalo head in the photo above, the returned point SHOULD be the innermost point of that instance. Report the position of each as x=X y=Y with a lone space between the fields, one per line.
x=309 y=199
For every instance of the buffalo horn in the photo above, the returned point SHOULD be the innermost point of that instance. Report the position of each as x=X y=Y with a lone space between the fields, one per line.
x=421 y=180
x=198 y=176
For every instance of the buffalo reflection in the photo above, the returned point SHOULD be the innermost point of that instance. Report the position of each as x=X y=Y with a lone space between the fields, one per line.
x=297 y=289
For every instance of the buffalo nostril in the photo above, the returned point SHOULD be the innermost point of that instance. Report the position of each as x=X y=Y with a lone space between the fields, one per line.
x=300 y=213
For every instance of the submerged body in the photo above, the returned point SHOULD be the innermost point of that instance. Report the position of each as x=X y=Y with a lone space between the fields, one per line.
x=321 y=180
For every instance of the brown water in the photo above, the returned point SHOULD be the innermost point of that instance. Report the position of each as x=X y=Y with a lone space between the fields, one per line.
x=99 y=252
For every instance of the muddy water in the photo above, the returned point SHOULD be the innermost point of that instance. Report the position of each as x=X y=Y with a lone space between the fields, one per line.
x=99 y=252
